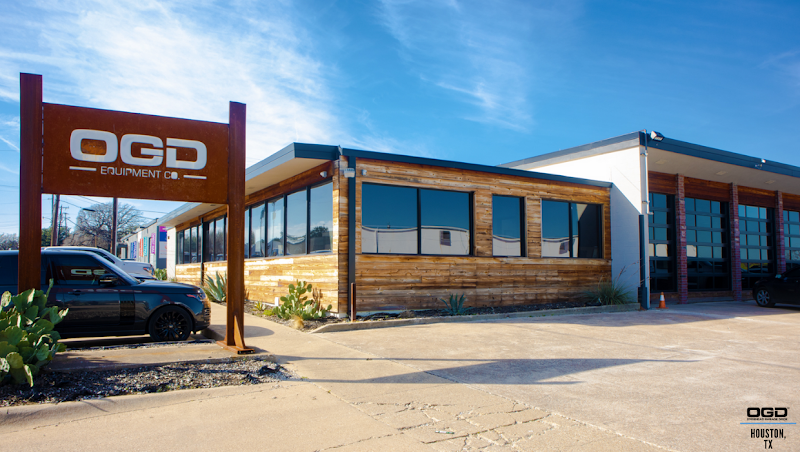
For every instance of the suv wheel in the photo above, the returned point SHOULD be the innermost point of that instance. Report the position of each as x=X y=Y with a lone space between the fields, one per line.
x=170 y=323
x=764 y=299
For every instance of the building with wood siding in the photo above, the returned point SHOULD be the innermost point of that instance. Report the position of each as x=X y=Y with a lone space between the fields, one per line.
x=712 y=222
x=405 y=230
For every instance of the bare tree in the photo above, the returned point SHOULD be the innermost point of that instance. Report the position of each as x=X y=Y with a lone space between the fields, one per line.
x=9 y=241
x=93 y=225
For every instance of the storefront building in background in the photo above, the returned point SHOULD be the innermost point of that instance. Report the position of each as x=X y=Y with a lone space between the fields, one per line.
x=715 y=222
x=148 y=244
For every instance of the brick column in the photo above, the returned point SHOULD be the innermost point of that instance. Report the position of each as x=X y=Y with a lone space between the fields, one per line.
x=781 y=246
x=680 y=223
x=736 y=256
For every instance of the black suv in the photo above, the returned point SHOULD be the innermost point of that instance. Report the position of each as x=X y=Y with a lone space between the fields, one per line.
x=103 y=300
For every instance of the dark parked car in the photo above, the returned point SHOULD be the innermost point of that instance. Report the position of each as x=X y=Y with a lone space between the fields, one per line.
x=103 y=300
x=783 y=288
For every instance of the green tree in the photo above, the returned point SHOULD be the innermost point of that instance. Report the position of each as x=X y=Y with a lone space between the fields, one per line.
x=63 y=233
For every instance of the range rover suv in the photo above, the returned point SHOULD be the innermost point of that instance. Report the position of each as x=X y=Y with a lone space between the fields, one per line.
x=104 y=300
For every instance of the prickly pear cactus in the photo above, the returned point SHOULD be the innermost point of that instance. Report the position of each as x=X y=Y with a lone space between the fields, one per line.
x=28 y=340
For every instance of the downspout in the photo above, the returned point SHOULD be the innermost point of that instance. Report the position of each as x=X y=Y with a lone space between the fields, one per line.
x=351 y=230
x=202 y=250
x=644 y=290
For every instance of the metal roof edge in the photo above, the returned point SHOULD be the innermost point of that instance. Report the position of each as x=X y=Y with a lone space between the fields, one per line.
x=469 y=166
x=583 y=151
x=718 y=155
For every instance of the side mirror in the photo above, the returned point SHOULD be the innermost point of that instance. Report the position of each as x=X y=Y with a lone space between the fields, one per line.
x=110 y=280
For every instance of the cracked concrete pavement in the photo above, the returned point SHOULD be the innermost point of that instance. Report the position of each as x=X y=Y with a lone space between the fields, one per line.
x=594 y=383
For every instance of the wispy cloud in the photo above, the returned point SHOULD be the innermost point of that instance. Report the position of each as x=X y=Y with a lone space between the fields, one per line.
x=483 y=52
x=788 y=65
x=184 y=59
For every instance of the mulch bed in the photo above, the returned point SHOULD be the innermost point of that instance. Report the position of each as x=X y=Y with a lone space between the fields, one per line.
x=310 y=325
x=54 y=387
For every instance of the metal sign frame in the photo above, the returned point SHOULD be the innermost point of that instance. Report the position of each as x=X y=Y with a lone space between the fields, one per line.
x=41 y=165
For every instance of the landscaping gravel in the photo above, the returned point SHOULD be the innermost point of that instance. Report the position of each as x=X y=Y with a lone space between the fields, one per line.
x=54 y=387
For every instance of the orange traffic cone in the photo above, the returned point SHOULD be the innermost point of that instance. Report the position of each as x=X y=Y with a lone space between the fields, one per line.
x=662 y=304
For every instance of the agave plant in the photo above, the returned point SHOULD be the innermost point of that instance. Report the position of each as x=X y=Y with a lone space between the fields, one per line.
x=216 y=289
x=28 y=340
x=160 y=274
x=455 y=304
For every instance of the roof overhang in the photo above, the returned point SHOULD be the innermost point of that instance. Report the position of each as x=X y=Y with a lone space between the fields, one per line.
x=290 y=161
x=700 y=162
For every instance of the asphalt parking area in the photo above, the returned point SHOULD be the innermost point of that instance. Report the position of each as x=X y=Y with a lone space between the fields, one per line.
x=681 y=379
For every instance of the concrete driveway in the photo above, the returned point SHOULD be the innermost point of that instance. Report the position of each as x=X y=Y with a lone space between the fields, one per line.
x=680 y=379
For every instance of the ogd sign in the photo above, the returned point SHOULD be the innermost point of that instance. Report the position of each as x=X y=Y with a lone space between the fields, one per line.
x=70 y=150
x=127 y=155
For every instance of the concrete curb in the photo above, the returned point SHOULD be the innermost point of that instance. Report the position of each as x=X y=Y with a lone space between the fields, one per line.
x=372 y=324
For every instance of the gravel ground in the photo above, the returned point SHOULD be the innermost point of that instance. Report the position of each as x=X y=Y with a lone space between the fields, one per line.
x=54 y=387
x=310 y=325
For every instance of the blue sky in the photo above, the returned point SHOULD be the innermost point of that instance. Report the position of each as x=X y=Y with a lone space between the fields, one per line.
x=481 y=82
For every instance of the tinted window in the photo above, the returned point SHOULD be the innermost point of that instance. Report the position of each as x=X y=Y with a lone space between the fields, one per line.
x=555 y=229
x=445 y=222
x=586 y=221
x=296 y=215
x=219 y=239
x=321 y=221
x=388 y=219
x=247 y=233
x=571 y=230
x=506 y=226
x=77 y=270
x=258 y=231
x=275 y=228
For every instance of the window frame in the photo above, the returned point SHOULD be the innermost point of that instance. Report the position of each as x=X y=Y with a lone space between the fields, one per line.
x=471 y=213
x=570 y=220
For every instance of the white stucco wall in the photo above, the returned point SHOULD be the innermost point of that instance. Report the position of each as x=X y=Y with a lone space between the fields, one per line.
x=622 y=168
x=171 y=234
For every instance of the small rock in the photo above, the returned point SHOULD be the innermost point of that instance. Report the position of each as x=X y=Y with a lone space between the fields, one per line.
x=406 y=315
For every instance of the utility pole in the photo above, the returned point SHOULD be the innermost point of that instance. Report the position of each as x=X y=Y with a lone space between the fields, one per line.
x=114 y=228
x=54 y=230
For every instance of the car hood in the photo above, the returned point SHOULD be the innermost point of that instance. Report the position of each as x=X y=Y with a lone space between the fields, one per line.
x=166 y=286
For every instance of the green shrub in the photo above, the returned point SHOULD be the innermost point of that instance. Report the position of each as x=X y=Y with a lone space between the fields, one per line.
x=160 y=274
x=610 y=291
x=265 y=308
x=216 y=289
x=28 y=341
x=298 y=304
x=455 y=304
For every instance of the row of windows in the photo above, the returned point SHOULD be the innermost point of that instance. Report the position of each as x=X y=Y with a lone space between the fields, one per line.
x=438 y=222
x=305 y=215
x=399 y=220
x=707 y=245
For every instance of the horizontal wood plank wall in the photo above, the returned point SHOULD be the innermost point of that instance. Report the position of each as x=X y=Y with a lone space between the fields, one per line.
x=791 y=202
x=662 y=183
x=188 y=274
x=706 y=189
x=265 y=279
x=416 y=282
x=757 y=197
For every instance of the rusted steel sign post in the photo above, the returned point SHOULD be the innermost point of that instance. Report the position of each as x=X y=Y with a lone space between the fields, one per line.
x=68 y=150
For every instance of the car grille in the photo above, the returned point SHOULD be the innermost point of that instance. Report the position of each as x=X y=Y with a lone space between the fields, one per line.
x=207 y=313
